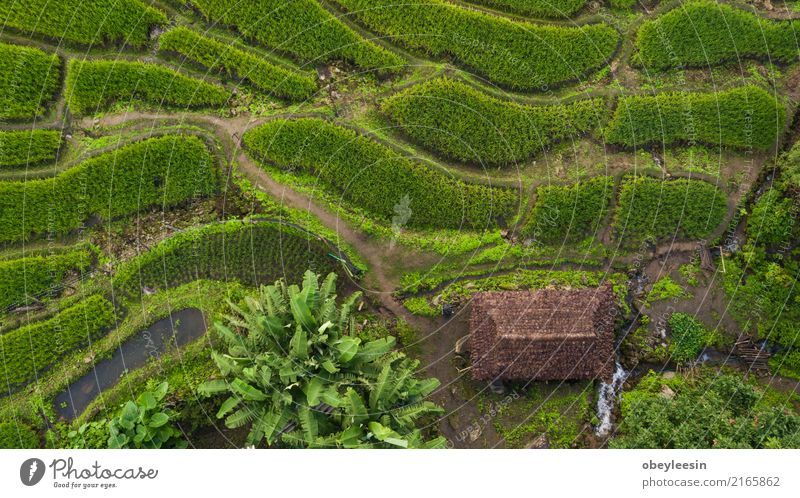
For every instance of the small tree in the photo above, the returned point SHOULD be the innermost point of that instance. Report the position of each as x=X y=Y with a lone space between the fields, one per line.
x=297 y=374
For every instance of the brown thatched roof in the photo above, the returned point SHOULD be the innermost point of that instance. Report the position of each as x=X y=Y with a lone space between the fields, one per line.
x=546 y=334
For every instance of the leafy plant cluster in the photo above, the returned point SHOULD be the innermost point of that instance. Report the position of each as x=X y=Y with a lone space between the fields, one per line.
x=376 y=178
x=651 y=208
x=252 y=253
x=536 y=8
x=93 y=85
x=688 y=337
x=29 y=79
x=709 y=410
x=31 y=349
x=28 y=147
x=17 y=434
x=468 y=125
x=145 y=423
x=30 y=277
x=238 y=63
x=85 y=22
x=705 y=33
x=515 y=54
x=569 y=213
x=302 y=28
x=665 y=289
x=747 y=117
x=295 y=372
x=161 y=171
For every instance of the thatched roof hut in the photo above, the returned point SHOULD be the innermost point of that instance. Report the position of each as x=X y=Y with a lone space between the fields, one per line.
x=547 y=334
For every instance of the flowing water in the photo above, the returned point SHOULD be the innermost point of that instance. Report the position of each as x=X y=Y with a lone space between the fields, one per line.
x=176 y=330
x=607 y=398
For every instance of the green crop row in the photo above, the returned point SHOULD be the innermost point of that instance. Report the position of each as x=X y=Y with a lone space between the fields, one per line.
x=29 y=79
x=372 y=176
x=93 y=85
x=649 y=208
x=251 y=253
x=465 y=124
x=746 y=117
x=705 y=33
x=85 y=22
x=302 y=28
x=35 y=275
x=556 y=9
x=29 y=147
x=519 y=55
x=32 y=349
x=569 y=213
x=161 y=171
x=238 y=63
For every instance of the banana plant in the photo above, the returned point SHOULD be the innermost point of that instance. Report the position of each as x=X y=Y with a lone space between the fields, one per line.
x=295 y=372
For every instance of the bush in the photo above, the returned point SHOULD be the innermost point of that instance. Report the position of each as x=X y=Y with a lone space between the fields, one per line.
x=650 y=208
x=536 y=8
x=564 y=214
x=36 y=275
x=708 y=33
x=30 y=350
x=771 y=222
x=162 y=171
x=302 y=28
x=85 y=22
x=29 y=79
x=746 y=117
x=17 y=435
x=467 y=125
x=217 y=56
x=27 y=148
x=252 y=253
x=376 y=178
x=93 y=85
x=515 y=54
x=689 y=337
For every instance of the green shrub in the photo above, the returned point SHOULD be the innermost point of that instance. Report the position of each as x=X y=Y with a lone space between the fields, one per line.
x=17 y=435
x=224 y=57
x=36 y=275
x=708 y=33
x=516 y=54
x=658 y=209
x=162 y=171
x=302 y=28
x=85 y=22
x=29 y=147
x=664 y=289
x=29 y=79
x=771 y=220
x=30 y=350
x=467 y=125
x=146 y=423
x=93 y=85
x=536 y=8
x=622 y=4
x=376 y=178
x=745 y=117
x=251 y=253
x=569 y=213
x=688 y=338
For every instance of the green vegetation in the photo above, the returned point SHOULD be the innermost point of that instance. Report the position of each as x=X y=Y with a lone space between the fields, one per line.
x=688 y=338
x=297 y=376
x=24 y=278
x=771 y=220
x=465 y=124
x=302 y=28
x=665 y=289
x=237 y=63
x=252 y=253
x=29 y=79
x=536 y=8
x=519 y=55
x=341 y=158
x=564 y=214
x=16 y=434
x=93 y=85
x=33 y=348
x=28 y=148
x=162 y=171
x=708 y=410
x=705 y=33
x=650 y=208
x=145 y=423
x=85 y=22
x=746 y=117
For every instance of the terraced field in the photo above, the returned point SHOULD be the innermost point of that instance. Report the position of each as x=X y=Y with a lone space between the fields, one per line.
x=164 y=164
